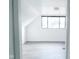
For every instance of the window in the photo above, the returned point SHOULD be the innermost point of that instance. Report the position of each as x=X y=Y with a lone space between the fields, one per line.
x=53 y=22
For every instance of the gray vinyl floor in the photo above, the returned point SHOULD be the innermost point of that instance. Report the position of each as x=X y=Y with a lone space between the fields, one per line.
x=43 y=51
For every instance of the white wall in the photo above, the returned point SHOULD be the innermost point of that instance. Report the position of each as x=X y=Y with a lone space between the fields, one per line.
x=34 y=32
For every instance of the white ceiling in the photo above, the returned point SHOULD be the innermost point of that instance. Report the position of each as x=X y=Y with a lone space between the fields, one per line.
x=30 y=9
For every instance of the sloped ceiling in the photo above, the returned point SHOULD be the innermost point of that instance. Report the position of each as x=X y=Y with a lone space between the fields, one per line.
x=31 y=9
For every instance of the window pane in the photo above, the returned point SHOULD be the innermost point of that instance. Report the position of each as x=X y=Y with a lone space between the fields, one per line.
x=62 y=22
x=53 y=22
x=44 y=22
